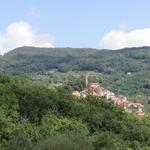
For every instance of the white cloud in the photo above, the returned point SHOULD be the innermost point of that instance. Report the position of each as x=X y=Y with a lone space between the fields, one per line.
x=117 y=39
x=23 y=34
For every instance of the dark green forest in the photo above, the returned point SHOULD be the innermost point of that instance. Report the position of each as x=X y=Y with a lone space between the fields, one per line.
x=37 y=117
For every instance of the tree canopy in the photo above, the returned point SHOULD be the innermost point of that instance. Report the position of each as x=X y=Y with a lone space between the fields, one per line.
x=35 y=116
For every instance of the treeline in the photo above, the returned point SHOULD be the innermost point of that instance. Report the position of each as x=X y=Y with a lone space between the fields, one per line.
x=39 y=117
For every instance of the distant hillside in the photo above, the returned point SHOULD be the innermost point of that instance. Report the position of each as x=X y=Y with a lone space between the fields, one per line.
x=125 y=71
x=30 y=59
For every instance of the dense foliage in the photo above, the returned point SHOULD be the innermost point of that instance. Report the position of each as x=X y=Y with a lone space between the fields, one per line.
x=38 y=117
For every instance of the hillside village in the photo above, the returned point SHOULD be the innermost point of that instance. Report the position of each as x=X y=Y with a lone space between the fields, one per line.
x=96 y=89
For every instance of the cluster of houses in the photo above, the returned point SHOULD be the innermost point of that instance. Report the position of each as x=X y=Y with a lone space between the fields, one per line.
x=96 y=89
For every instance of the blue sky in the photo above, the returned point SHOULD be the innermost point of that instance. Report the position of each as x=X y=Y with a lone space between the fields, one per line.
x=77 y=23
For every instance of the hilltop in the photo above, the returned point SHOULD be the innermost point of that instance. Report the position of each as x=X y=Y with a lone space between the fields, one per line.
x=31 y=59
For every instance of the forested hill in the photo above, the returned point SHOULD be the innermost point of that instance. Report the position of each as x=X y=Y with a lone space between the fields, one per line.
x=30 y=59
x=125 y=71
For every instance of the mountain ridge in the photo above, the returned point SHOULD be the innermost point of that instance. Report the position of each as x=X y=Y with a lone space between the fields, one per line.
x=33 y=47
x=75 y=53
